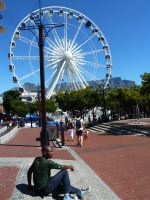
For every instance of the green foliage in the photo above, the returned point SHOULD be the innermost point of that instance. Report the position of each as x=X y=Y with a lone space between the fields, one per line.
x=51 y=106
x=118 y=100
x=80 y=100
x=145 y=88
x=20 y=108
x=8 y=99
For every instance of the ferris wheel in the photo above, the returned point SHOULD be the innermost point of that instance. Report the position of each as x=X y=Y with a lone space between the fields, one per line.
x=76 y=54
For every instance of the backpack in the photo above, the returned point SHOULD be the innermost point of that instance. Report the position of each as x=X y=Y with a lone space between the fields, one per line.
x=78 y=123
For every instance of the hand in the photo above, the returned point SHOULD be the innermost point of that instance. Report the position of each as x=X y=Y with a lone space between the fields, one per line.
x=71 y=168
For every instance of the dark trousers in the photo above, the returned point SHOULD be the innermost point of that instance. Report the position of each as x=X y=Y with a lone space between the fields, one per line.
x=62 y=134
x=62 y=180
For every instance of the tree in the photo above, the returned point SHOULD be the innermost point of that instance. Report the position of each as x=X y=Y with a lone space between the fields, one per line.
x=8 y=99
x=145 y=92
x=77 y=101
x=20 y=108
x=51 y=105
x=145 y=88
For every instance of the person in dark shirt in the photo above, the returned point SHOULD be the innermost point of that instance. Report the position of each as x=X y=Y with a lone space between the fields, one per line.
x=44 y=183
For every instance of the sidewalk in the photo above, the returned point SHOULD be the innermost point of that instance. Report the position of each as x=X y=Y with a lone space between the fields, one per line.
x=106 y=161
x=17 y=155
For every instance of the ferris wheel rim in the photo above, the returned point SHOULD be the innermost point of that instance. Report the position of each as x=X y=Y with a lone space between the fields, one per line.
x=25 y=19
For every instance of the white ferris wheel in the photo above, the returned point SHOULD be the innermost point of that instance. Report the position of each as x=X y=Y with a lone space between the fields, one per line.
x=76 y=55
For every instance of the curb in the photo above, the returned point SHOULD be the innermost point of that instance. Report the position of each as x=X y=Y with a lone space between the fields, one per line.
x=8 y=136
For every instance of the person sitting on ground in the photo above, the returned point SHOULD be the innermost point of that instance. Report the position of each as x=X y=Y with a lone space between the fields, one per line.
x=44 y=183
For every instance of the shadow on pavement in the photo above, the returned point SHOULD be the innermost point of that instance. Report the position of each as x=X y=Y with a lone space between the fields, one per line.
x=24 y=189
x=20 y=145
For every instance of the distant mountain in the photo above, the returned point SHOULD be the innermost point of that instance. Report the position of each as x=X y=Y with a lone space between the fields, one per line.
x=30 y=87
x=118 y=82
x=114 y=83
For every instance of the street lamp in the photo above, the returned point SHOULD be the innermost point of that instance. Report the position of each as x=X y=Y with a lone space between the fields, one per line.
x=104 y=105
x=43 y=31
x=104 y=102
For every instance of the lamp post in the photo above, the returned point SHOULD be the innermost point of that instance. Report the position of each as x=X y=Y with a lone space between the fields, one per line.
x=104 y=105
x=104 y=101
x=42 y=34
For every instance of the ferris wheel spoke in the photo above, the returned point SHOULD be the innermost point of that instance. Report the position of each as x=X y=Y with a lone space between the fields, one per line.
x=55 y=62
x=56 y=36
x=60 y=83
x=65 y=31
x=79 y=75
x=28 y=75
x=30 y=57
x=26 y=57
x=88 y=74
x=61 y=78
x=48 y=80
x=31 y=43
x=74 y=84
x=32 y=73
x=55 y=79
x=55 y=46
x=83 y=43
x=90 y=52
x=71 y=79
x=94 y=64
x=75 y=36
x=28 y=41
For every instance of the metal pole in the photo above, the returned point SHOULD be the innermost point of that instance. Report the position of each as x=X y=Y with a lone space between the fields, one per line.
x=43 y=136
x=104 y=106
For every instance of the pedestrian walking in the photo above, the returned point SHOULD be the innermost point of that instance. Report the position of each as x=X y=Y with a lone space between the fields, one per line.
x=62 y=132
x=80 y=125
x=45 y=184
x=70 y=130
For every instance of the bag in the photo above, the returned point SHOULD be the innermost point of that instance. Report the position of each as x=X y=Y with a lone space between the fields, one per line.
x=78 y=123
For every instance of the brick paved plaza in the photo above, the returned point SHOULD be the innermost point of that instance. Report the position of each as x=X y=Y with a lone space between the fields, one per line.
x=122 y=162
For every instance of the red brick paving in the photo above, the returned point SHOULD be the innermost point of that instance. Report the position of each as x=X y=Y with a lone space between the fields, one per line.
x=7 y=181
x=25 y=145
x=123 y=162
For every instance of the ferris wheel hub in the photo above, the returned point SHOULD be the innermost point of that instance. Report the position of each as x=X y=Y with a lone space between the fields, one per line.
x=67 y=55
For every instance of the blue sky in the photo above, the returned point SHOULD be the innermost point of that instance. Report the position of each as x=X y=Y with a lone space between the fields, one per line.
x=125 y=24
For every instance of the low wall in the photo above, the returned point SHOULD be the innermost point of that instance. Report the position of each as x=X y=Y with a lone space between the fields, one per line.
x=3 y=129
x=8 y=136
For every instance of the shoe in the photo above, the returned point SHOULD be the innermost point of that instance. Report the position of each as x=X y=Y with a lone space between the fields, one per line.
x=67 y=197
x=85 y=192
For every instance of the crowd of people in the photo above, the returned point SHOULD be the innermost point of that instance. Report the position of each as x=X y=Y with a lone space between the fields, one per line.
x=72 y=128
